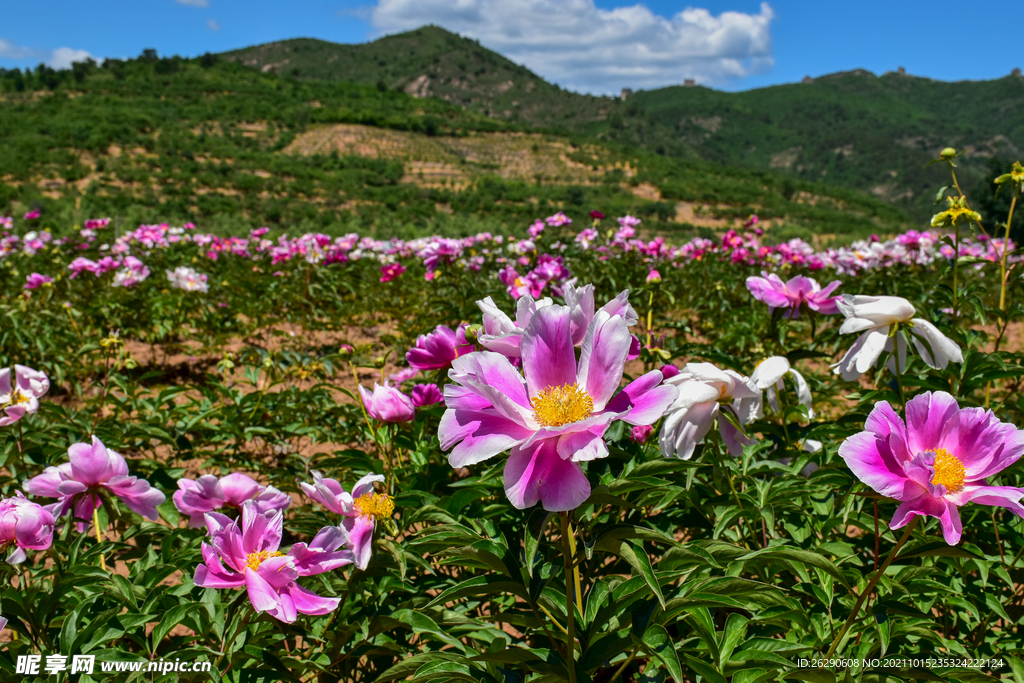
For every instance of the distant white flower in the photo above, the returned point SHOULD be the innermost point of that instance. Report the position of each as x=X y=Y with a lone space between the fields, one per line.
x=767 y=376
x=705 y=391
x=878 y=317
x=188 y=279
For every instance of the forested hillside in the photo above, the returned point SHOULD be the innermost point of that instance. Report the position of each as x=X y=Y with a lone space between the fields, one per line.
x=212 y=142
x=874 y=134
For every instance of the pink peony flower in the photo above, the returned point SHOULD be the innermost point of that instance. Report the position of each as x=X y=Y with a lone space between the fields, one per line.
x=387 y=403
x=439 y=348
x=23 y=398
x=32 y=215
x=24 y=525
x=596 y=215
x=246 y=554
x=641 y=433
x=536 y=229
x=403 y=375
x=208 y=493
x=555 y=416
x=557 y=220
x=426 y=395
x=936 y=461
x=798 y=292
x=93 y=469
x=35 y=280
x=83 y=265
x=361 y=509
x=391 y=271
x=653 y=276
x=503 y=335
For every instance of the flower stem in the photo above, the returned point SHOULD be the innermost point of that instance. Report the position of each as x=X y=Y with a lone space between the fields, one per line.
x=99 y=538
x=570 y=600
x=871 y=586
x=1003 y=278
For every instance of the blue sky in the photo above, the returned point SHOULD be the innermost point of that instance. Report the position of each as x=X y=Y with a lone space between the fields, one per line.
x=588 y=45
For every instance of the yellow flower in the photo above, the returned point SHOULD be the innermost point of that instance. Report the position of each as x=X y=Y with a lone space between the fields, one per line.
x=958 y=211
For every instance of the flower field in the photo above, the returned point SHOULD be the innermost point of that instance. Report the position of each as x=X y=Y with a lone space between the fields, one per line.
x=575 y=454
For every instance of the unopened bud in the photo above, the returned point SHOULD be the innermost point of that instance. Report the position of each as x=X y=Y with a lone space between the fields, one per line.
x=472 y=332
x=948 y=153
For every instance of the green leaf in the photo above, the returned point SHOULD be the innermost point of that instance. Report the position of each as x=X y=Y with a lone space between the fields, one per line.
x=786 y=554
x=170 y=619
x=657 y=642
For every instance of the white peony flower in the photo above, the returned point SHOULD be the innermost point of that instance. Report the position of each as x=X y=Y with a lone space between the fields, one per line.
x=877 y=317
x=767 y=376
x=704 y=391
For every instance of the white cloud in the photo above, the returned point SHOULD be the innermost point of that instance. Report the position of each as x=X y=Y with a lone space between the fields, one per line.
x=581 y=47
x=9 y=50
x=194 y=3
x=62 y=57
x=212 y=25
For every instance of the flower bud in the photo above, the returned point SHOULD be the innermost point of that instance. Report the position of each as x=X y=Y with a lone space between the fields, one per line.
x=472 y=331
x=948 y=153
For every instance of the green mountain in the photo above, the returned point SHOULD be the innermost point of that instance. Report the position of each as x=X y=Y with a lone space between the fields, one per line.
x=433 y=62
x=228 y=147
x=853 y=130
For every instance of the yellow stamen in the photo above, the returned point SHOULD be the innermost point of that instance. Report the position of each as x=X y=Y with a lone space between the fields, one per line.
x=17 y=399
x=375 y=505
x=254 y=560
x=949 y=471
x=557 y=406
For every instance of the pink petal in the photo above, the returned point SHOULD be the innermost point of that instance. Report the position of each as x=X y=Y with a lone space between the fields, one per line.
x=927 y=414
x=945 y=511
x=540 y=474
x=307 y=602
x=236 y=488
x=264 y=598
x=603 y=357
x=643 y=400
x=479 y=435
x=548 y=357
x=360 y=539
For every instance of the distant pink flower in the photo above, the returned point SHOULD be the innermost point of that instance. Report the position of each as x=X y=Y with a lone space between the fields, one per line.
x=245 y=553
x=936 y=461
x=92 y=469
x=536 y=229
x=96 y=223
x=554 y=416
x=403 y=375
x=596 y=215
x=439 y=348
x=426 y=395
x=24 y=525
x=751 y=222
x=361 y=509
x=32 y=215
x=557 y=220
x=387 y=404
x=208 y=494
x=35 y=280
x=798 y=292
x=21 y=398
x=83 y=265
x=390 y=271
x=653 y=277
x=440 y=250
